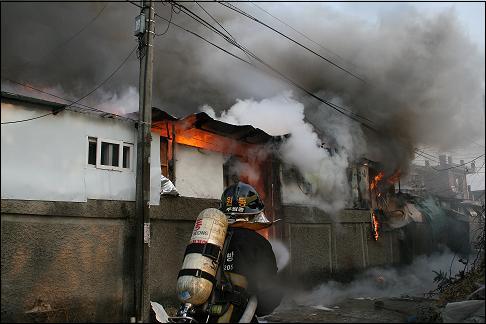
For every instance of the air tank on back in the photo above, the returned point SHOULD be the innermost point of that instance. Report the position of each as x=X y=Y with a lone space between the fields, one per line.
x=197 y=276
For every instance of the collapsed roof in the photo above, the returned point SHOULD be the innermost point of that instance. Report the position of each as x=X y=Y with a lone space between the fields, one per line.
x=202 y=121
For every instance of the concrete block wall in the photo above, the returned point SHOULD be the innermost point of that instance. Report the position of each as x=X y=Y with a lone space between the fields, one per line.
x=172 y=223
x=77 y=256
x=69 y=255
x=322 y=247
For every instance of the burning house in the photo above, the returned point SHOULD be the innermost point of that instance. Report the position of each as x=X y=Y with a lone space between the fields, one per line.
x=68 y=192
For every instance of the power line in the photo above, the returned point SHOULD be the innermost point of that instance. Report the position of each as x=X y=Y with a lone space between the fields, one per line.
x=215 y=20
x=73 y=36
x=170 y=20
x=220 y=25
x=234 y=8
x=33 y=118
x=340 y=109
x=477 y=172
x=79 y=31
x=83 y=97
x=421 y=153
x=69 y=100
x=302 y=34
x=197 y=35
x=428 y=157
x=246 y=51
x=233 y=42
x=238 y=10
x=459 y=165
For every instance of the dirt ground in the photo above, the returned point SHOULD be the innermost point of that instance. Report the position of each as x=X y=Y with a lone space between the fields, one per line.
x=363 y=310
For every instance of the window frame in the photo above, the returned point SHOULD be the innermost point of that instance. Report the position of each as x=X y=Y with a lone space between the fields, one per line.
x=121 y=145
x=130 y=157
x=95 y=140
x=98 y=154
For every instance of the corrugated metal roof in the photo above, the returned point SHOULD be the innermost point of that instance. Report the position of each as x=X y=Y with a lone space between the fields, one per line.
x=201 y=120
x=245 y=133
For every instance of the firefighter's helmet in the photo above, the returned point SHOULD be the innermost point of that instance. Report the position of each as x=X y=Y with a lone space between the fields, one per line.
x=243 y=206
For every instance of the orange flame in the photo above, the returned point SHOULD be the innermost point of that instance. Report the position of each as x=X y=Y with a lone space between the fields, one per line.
x=376 y=179
x=376 y=227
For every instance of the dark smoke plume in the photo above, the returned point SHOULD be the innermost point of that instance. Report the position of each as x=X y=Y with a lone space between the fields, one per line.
x=424 y=77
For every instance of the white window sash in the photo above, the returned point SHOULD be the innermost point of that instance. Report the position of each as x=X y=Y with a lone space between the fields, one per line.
x=130 y=156
x=120 y=155
x=87 y=151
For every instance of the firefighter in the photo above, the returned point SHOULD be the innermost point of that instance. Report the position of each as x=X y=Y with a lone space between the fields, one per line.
x=249 y=265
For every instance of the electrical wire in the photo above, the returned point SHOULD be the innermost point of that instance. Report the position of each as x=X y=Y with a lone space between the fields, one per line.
x=170 y=21
x=246 y=51
x=220 y=25
x=339 y=109
x=83 y=97
x=215 y=20
x=426 y=155
x=69 y=100
x=233 y=42
x=33 y=118
x=234 y=8
x=303 y=35
x=238 y=10
x=203 y=22
x=478 y=171
x=459 y=165
x=73 y=36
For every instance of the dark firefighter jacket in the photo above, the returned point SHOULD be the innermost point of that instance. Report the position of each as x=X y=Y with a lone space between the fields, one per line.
x=250 y=256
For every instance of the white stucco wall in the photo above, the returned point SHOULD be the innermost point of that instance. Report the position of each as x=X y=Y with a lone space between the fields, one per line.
x=199 y=173
x=46 y=159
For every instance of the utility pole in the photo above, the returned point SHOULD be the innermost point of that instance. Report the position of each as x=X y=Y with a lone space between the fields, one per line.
x=144 y=29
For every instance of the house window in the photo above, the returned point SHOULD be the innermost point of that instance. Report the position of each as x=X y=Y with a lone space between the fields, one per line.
x=92 y=150
x=127 y=156
x=109 y=154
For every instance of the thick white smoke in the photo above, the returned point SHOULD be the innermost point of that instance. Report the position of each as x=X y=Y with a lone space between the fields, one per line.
x=281 y=115
x=122 y=104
